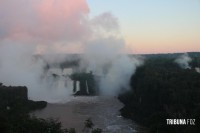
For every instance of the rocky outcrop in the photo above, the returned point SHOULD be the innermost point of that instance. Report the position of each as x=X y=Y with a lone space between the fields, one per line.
x=87 y=84
x=16 y=98
x=13 y=93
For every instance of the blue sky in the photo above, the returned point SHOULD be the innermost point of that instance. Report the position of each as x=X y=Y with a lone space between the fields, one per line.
x=152 y=26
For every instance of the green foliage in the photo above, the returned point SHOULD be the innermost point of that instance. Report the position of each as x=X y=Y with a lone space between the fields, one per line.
x=71 y=130
x=161 y=90
x=88 y=123
x=89 y=127
x=97 y=130
x=14 y=113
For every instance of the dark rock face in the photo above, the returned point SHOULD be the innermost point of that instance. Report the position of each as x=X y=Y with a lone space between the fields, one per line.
x=14 y=113
x=87 y=84
x=16 y=98
x=13 y=93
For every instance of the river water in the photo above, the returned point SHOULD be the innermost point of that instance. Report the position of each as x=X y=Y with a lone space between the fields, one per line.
x=103 y=111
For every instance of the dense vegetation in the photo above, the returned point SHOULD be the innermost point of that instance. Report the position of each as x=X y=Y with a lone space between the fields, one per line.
x=162 y=90
x=14 y=113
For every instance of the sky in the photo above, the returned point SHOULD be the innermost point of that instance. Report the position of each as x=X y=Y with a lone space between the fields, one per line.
x=54 y=28
x=69 y=26
x=155 y=26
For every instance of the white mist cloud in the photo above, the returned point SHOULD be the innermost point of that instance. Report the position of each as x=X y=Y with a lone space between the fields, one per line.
x=197 y=69
x=49 y=27
x=183 y=61
x=19 y=68
x=47 y=20
x=105 y=57
x=28 y=27
x=118 y=77
x=108 y=61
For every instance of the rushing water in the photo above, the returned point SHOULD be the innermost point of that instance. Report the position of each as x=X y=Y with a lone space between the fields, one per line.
x=103 y=111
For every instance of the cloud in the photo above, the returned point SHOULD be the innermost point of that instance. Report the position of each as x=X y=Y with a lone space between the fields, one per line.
x=48 y=27
x=106 y=24
x=183 y=61
x=43 y=20
x=54 y=25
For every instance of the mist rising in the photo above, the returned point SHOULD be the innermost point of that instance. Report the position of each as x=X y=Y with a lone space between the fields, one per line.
x=39 y=28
